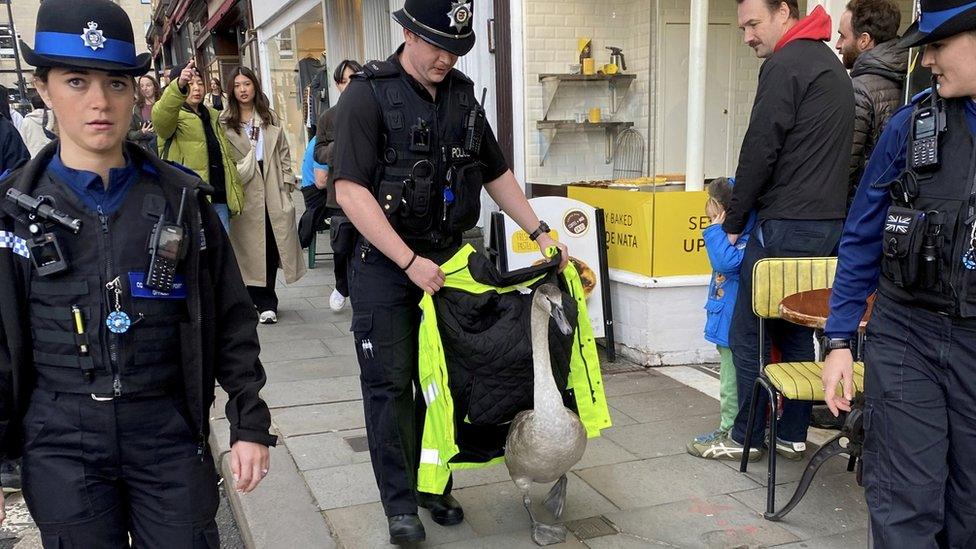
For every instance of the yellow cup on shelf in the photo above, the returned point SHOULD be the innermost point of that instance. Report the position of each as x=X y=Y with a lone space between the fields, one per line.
x=595 y=115
x=588 y=66
x=610 y=69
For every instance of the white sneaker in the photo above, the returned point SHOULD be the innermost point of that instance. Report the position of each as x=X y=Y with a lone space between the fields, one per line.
x=336 y=300
x=268 y=317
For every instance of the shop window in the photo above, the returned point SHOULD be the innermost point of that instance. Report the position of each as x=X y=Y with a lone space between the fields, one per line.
x=7 y=46
x=286 y=44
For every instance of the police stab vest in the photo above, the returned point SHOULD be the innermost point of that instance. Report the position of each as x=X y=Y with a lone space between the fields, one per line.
x=429 y=184
x=945 y=206
x=146 y=357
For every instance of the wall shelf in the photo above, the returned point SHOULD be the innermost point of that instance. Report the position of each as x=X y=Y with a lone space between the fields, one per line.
x=552 y=127
x=617 y=83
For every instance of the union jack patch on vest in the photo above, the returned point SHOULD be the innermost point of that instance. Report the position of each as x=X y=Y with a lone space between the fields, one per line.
x=15 y=243
x=897 y=224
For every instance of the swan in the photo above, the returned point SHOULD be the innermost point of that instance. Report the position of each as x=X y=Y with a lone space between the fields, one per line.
x=545 y=442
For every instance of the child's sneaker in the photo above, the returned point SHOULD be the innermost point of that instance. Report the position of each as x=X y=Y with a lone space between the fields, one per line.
x=793 y=451
x=722 y=447
x=706 y=438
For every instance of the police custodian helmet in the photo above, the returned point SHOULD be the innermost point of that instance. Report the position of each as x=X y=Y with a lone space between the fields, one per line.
x=939 y=20
x=94 y=34
x=444 y=23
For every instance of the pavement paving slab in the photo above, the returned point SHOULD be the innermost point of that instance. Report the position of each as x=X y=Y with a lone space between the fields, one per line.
x=497 y=508
x=661 y=480
x=364 y=527
x=832 y=505
x=661 y=438
x=312 y=391
x=319 y=418
x=311 y=368
x=343 y=485
x=326 y=450
x=664 y=404
x=715 y=521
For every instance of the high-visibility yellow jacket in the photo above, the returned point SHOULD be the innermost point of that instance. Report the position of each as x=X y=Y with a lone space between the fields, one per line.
x=439 y=444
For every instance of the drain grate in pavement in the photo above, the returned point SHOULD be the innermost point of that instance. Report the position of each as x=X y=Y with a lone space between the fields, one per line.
x=592 y=527
x=358 y=444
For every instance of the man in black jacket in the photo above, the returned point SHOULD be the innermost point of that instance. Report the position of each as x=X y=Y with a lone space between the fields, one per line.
x=793 y=170
x=868 y=44
x=108 y=358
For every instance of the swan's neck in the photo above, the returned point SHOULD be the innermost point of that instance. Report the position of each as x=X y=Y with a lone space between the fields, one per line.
x=546 y=394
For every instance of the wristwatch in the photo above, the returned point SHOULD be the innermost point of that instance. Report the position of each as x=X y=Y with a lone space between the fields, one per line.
x=835 y=343
x=543 y=229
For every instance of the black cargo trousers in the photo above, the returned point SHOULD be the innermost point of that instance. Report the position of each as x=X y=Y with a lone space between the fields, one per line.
x=96 y=471
x=920 y=423
x=386 y=327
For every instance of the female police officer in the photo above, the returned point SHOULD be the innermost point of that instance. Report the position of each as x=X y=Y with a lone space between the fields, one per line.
x=409 y=170
x=109 y=354
x=911 y=236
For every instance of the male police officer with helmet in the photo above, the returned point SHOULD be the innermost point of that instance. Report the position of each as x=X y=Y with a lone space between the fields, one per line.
x=121 y=303
x=414 y=155
x=911 y=235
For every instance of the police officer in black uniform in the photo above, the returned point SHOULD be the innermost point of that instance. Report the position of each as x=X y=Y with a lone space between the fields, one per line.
x=414 y=155
x=911 y=235
x=121 y=303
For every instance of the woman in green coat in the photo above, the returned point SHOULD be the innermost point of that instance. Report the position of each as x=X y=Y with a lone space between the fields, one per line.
x=190 y=134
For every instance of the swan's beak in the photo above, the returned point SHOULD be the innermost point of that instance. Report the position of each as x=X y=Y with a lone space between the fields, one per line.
x=559 y=315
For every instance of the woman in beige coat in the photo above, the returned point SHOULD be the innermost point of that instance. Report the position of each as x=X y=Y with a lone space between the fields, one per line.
x=265 y=235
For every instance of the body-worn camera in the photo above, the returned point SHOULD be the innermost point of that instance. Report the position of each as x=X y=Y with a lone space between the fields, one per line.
x=46 y=256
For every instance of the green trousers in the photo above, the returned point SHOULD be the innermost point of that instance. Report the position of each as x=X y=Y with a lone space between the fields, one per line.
x=728 y=394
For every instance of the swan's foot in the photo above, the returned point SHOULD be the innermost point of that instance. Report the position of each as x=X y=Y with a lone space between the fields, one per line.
x=548 y=534
x=544 y=534
x=556 y=499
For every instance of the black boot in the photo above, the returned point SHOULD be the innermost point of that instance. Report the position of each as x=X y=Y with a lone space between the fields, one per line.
x=445 y=510
x=406 y=529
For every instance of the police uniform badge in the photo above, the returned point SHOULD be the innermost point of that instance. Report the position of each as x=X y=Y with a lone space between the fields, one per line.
x=93 y=37
x=460 y=15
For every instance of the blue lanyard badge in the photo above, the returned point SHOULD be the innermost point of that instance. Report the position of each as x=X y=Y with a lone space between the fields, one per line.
x=139 y=289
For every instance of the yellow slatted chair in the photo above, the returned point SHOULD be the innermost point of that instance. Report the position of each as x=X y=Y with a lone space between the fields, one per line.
x=774 y=279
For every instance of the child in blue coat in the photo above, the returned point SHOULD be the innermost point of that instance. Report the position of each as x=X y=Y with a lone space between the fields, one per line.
x=725 y=259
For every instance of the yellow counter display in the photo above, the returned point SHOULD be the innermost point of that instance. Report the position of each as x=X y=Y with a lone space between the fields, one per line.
x=651 y=234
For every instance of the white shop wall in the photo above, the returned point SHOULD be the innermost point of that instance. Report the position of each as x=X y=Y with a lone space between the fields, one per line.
x=550 y=32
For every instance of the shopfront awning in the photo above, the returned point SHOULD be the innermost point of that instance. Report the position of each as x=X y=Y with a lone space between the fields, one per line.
x=219 y=14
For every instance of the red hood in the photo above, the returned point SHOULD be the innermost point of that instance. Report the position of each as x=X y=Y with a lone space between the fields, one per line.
x=816 y=26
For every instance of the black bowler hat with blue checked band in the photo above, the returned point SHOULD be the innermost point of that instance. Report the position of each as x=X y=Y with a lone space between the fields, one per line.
x=939 y=20
x=93 y=34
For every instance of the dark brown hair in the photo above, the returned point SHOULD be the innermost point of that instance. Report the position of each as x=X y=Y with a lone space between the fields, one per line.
x=261 y=104
x=340 y=69
x=879 y=18
x=773 y=5
x=720 y=190
x=156 y=92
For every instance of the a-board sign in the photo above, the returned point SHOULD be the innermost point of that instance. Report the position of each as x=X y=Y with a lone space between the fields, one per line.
x=575 y=224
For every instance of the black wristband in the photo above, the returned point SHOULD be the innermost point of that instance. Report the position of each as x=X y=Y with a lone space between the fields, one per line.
x=543 y=229
x=409 y=263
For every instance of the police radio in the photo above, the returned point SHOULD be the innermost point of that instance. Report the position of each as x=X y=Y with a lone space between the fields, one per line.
x=928 y=123
x=166 y=248
x=474 y=126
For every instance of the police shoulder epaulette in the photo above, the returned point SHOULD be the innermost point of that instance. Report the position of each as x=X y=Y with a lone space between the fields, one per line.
x=461 y=76
x=182 y=168
x=378 y=69
x=921 y=96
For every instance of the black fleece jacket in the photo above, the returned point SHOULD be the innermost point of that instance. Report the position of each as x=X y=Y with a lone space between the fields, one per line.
x=796 y=152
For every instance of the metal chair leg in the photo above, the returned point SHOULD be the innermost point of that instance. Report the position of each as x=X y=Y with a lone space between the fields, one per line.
x=750 y=425
x=311 y=251
x=771 y=466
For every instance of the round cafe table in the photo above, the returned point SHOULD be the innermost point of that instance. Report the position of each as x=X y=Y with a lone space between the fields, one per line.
x=810 y=309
